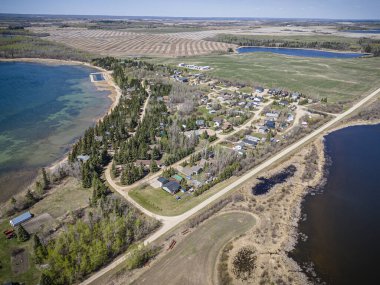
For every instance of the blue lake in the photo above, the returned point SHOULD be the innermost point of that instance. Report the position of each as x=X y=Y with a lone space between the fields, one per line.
x=43 y=109
x=374 y=31
x=342 y=223
x=300 y=52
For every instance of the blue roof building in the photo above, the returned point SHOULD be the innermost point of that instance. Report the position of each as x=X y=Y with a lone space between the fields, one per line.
x=20 y=219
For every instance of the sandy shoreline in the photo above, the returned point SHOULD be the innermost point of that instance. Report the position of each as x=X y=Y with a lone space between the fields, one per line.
x=107 y=85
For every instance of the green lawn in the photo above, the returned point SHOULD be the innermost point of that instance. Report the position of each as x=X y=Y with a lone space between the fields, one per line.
x=31 y=275
x=162 y=203
x=336 y=79
x=67 y=197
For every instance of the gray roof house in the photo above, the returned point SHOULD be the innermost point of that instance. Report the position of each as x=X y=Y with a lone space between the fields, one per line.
x=172 y=187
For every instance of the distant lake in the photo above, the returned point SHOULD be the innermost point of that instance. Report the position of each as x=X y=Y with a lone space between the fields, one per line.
x=300 y=52
x=343 y=223
x=374 y=31
x=43 y=109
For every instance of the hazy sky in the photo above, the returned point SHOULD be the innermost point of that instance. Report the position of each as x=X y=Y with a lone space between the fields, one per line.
x=337 y=9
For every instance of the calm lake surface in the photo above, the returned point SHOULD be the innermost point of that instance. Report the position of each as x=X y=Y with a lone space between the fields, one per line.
x=343 y=223
x=300 y=52
x=43 y=109
x=374 y=31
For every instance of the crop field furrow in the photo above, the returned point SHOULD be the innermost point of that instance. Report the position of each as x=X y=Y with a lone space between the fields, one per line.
x=120 y=43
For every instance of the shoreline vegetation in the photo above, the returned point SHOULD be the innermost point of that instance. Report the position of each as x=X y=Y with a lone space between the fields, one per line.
x=365 y=45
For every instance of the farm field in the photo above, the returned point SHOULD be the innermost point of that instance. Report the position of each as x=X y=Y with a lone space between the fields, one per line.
x=160 y=202
x=193 y=261
x=340 y=80
x=121 y=43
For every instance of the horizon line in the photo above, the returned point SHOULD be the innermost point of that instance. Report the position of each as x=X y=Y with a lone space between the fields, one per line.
x=192 y=17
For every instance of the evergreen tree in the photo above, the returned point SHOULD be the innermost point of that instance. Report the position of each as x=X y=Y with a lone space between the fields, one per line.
x=45 y=179
x=22 y=234
x=40 y=251
x=86 y=175
x=153 y=166
x=45 y=279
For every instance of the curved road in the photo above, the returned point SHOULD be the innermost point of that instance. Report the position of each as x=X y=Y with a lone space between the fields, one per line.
x=170 y=222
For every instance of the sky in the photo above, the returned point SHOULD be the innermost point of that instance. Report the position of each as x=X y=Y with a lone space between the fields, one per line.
x=327 y=9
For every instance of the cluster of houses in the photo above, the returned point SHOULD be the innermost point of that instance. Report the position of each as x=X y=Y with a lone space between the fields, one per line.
x=243 y=100
x=284 y=94
x=194 y=67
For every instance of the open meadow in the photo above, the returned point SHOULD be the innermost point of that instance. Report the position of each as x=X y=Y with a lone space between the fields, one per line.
x=337 y=79
x=193 y=261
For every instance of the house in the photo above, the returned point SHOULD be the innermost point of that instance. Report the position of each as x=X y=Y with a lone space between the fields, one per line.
x=283 y=103
x=196 y=183
x=295 y=96
x=259 y=89
x=172 y=187
x=304 y=123
x=20 y=219
x=162 y=181
x=200 y=123
x=190 y=134
x=239 y=146
x=212 y=112
x=194 y=170
x=263 y=129
x=177 y=177
x=226 y=126
x=252 y=138
x=290 y=118
x=217 y=122
x=270 y=124
x=249 y=143
x=272 y=115
x=257 y=99
x=83 y=158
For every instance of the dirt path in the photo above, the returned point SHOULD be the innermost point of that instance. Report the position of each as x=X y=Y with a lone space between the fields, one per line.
x=170 y=222
x=194 y=259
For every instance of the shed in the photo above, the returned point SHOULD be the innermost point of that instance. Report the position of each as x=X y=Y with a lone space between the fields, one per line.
x=177 y=177
x=20 y=219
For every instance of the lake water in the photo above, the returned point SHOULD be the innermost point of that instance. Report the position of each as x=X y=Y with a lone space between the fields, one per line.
x=43 y=109
x=300 y=52
x=343 y=223
x=374 y=31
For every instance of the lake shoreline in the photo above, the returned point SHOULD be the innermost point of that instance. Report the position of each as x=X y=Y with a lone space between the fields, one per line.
x=107 y=85
x=324 y=161
x=307 y=49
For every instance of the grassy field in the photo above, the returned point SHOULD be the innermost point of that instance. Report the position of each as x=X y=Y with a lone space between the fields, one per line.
x=160 y=202
x=28 y=273
x=336 y=79
x=68 y=196
x=193 y=260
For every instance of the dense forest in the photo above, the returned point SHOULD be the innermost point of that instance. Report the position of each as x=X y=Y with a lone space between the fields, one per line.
x=19 y=43
x=154 y=137
x=107 y=229
x=365 y=44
